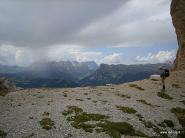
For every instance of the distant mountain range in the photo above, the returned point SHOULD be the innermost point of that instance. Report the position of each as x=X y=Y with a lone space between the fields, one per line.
x=75 y=74
x=49 y=74
x=116 y=74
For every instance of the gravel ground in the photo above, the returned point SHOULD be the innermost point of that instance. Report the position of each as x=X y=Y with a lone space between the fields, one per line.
x=21 y=111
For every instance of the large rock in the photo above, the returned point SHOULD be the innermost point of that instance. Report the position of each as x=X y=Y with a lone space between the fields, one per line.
x=178 y=19
x=6 y=86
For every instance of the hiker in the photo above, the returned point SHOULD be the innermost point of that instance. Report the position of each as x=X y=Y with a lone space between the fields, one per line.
x=164 y=74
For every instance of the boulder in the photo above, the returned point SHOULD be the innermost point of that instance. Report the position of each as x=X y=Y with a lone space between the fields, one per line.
x=6 y=86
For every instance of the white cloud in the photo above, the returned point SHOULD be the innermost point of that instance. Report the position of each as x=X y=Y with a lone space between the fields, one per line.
x=160 y=57
x=72 y=52
x=115 y=58
x=12 y=55
x=23 y=57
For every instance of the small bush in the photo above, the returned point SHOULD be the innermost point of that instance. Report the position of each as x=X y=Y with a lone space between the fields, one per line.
x=94 y=101
x=144 y=102
x=3 y=93
x=79 y=99
x=128 y=110
x=136 y=86
x=47 y=123
x=123 y=96
x=164 y=95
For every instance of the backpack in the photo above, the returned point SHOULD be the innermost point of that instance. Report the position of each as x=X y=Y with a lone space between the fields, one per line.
x=166 y=73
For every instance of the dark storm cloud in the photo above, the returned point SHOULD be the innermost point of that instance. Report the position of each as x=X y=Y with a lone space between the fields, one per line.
x=42 y=23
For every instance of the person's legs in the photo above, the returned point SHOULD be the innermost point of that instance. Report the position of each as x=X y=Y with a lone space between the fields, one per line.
x=163 y=82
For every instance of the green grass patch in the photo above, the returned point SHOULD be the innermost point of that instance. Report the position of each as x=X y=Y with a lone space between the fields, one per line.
x=94 y=101
x=174 y=85
x=104 y=101
x=164 y=95
x=137 y=87
x=128 y=110
x=79 y=99
x=144 y=102
x=123 y=96
x=72 y=110
x=3 y=134
x=180 y=114
x=86 y=127
x=3 y=93
x=116 y=129
x=78 y=118
x=90 y=122
x=47 y=123
x=85 y=117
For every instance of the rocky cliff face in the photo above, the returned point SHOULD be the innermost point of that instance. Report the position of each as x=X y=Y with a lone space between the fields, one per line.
x=178 y=19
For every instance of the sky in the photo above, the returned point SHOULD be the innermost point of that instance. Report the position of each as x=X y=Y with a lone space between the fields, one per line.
x=106 y=31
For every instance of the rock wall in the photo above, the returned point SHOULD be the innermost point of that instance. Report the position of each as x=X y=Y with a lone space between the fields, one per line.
x=178 y=19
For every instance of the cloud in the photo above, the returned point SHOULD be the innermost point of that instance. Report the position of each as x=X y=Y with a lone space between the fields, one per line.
x=115 y=58
x=44 y=23
x=136 y=23
x=68 y=30
x=88 y=23
x=72 y=52
x=160 y=57
x=11 y=55
x=7 y=55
